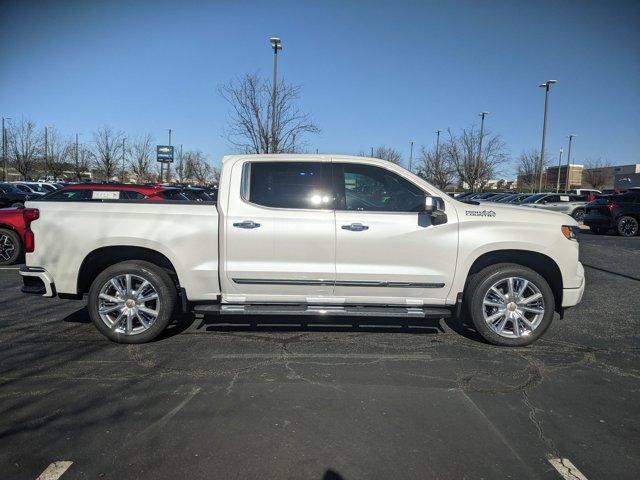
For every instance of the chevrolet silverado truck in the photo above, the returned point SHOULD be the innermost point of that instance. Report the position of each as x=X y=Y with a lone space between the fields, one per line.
x=307 y=235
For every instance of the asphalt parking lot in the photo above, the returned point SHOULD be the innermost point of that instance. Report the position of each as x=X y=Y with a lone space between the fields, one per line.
x=277 y=399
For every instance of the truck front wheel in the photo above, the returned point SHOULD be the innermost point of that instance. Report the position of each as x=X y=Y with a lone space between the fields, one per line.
x=510 y=305
x=132 y=301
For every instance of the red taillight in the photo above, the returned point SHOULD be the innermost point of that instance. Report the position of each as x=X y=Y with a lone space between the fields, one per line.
x=612 y=206
x=29 y=215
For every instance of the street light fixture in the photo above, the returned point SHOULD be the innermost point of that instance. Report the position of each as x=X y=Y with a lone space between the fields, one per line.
x=276 y=44
x=546 y=86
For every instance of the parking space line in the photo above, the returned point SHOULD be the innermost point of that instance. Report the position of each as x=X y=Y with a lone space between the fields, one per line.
x=55 y=470
x=567 y=469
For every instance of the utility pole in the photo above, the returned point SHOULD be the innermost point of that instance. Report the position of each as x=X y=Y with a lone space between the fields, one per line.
x=46 y=147
x=411 y=157
x=479 y=165
x=437 y=145
x=546 y=86
x=371 y=152
x=77 y=166
x=123 y=150
x=559 y=164
x=4 y=150
x=276 y=44
x=571 y=135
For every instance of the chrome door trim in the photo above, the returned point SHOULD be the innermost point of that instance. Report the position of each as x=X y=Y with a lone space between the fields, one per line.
x=338 y=283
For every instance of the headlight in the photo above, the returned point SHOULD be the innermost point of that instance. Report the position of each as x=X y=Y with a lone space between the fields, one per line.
x=570 y=232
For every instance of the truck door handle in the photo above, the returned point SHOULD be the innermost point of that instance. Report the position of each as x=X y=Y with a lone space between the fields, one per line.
x=355 y=227
x=246 y=224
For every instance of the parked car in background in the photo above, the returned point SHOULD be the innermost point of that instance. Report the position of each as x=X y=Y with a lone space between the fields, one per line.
x=36 y=187
x=516 y=198
x=114 y=191
x=573 y=205
x=620 y=212
x=498 y=197
x=15 y=237
x=11 y=196
x=23 y=187
x=196 y=194
x=589 y=193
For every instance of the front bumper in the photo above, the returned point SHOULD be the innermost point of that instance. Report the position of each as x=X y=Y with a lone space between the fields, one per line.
x=37 y=280
x=573 y=296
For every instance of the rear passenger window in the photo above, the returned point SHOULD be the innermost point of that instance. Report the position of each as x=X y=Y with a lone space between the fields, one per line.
x=289 y=185
x=68 y=195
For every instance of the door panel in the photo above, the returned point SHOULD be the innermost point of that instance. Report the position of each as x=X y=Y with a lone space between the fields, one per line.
x=389 y=255
x=278 y=253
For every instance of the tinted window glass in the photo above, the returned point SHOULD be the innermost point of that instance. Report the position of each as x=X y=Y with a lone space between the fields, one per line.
x=374 y=189
x=289 y=185
x=69 y=195
x=173 y=194
x=130 y=195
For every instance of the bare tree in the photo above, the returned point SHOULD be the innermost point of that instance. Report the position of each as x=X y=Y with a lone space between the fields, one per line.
x=108 y=151
x=249 y=125
x=597 y=172
x=199 y=167
x=141 y=158
x=437 y=170
x=24 y=147
x=82 y=161
x=463 y=151
x=56 y=158
x=529 y=170
x=180 y=165
x=387 y=153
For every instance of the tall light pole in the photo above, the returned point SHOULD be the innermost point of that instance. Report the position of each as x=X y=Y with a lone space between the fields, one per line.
x=77 y=167
x=169 y=163
x=46 y=147
x=371 y=152
x=4 y=149
x=437 y=145
x=546 y=86
x=559 y=166
x=570 y=137
x=479 y=164
x=411 y=156
x=276 y=44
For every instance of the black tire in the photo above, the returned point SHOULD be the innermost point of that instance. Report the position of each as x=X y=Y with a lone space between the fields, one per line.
x=578 y=214
x=159 y=280
x=10 y=247
x=627 y=226
x=482 y=282
x=599 y=230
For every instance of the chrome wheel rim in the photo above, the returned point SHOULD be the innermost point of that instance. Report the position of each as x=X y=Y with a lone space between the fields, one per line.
x=513 y=307
x=628 y=226
x=7 y=247
x=128 y=304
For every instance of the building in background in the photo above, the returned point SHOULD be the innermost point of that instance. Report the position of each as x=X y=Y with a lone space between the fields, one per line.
x=607 y=175
x=575 y=177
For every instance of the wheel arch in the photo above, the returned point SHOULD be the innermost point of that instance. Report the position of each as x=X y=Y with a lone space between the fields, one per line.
x=538 y=262
x=99 y=259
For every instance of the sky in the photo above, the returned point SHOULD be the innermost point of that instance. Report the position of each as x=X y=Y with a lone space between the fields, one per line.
x=372 y=72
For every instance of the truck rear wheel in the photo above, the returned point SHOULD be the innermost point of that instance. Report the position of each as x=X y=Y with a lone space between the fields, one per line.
x=510 y=305
x=132 y=301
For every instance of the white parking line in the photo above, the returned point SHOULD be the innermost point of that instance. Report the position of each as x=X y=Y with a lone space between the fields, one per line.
x=567 y=469
x=55 y=470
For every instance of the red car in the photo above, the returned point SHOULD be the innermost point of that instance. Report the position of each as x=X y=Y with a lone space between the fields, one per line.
x=114 y=191
x=15 y=235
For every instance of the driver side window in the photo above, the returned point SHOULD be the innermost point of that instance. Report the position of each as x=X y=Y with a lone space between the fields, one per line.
x=373 y=189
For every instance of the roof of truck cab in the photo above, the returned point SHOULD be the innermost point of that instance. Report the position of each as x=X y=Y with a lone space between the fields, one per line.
x=293 y=157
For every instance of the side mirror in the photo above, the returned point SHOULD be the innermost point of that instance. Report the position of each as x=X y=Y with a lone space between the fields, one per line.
x=433 y=204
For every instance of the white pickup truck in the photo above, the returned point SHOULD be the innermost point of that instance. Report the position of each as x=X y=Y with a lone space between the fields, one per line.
x=307 y=235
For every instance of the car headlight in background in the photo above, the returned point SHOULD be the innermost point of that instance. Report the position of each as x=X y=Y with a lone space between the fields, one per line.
x=570 y=232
